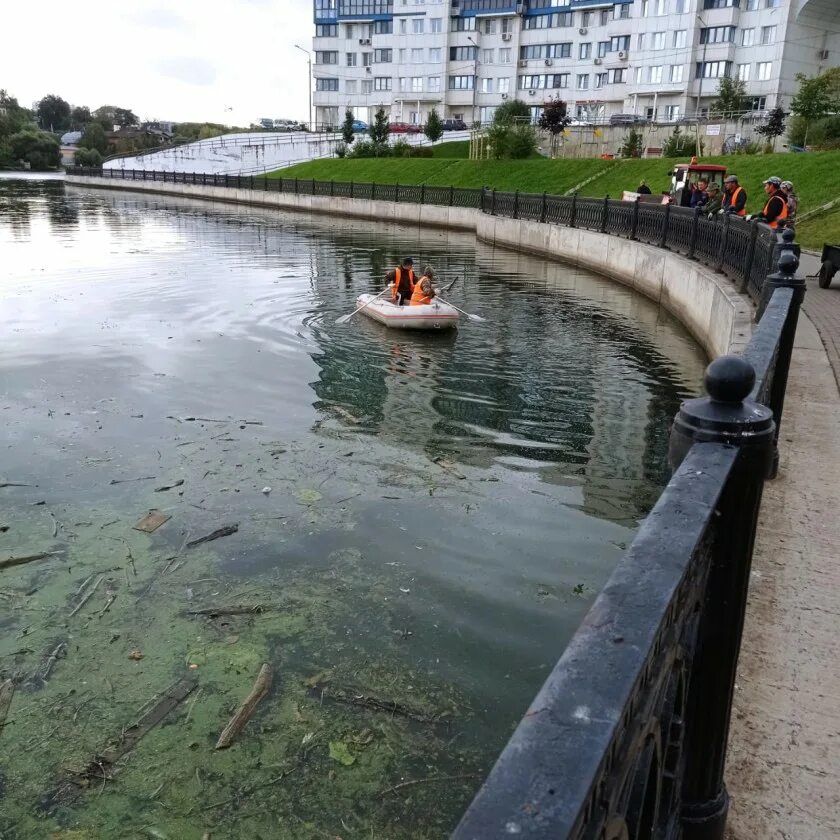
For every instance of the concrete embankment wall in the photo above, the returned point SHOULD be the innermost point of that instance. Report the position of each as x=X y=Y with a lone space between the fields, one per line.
x=706 y=303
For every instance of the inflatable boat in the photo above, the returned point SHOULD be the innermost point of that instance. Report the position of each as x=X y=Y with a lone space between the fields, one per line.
x=430 y=316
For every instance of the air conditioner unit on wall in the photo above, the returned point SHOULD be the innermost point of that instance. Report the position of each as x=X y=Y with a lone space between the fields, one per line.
x=520 y=8
x=583 y=30
x=622 y=55
x=365 y=42
x=506 y=36
x=505 y=95
x=548 y=62
x=597 y=61
x=822 y=55
x=532 y=93
x=523 y=62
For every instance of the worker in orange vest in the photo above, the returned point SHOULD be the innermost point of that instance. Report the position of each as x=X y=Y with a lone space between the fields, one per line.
x=401 y=281
x=423 y=291
x=735 y=197
x=775 y=211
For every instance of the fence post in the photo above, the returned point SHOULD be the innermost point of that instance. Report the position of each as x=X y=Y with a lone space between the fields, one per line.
x=297 y=186
x=634 y=219
x=605 y=213
x=332 y=187
x=663 y=236
x=516 y=204
x=742 y=286
x=573 y=211
x=724 y=239
x=397 y=193
x=351 y=189
x=727 y=417
x=695 y=231
x=493 y=203
x=542 y=208
x=422 y=193
x=144 y=174
x=265 y=183
x=252 y=182
x=373 y=191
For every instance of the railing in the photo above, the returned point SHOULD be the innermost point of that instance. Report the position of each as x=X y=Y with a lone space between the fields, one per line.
x=743 y=251
x=627 y=738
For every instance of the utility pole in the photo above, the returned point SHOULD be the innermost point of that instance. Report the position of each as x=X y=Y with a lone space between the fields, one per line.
x=475 y=78
x=308 y=82
x=702 y=71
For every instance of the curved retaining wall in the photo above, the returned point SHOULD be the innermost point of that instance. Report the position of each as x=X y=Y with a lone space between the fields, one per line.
x=706 y=303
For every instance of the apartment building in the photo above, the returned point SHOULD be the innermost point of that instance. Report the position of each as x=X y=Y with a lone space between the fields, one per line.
x=662 y=59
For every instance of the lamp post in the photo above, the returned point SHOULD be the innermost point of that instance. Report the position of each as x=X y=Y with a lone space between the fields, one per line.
x=475 y=77
x=308 y=82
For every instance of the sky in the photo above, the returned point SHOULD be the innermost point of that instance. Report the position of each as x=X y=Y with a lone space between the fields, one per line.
x=188 y=61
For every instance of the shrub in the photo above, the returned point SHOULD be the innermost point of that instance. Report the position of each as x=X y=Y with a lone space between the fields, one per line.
x=434 y=127
x=512 y=141
x=88 y=157
x=401 y=149
x=341 y=150
x=39 y=149
x=681 y=145
x=421 y=152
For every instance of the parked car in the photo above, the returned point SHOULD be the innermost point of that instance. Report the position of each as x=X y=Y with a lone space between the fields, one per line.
x=454 y=125
x=403 y=128
x=359 y=127
x=628 y=119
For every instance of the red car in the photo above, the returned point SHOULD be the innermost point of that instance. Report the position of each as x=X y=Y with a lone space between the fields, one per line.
x=404 y=128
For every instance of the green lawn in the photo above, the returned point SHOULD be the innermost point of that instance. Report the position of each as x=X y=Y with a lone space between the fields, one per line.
x=452 y=149
x=813 y=175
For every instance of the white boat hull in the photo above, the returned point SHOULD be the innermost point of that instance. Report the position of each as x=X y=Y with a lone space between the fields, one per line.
x=431 y=316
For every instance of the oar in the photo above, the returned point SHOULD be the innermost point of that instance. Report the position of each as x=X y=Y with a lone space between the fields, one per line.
x=477 y=318
x=447 y=288
x=345 y=318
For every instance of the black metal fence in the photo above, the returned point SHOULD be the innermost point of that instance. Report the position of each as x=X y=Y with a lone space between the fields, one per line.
x=627 y=738
x=741 y=250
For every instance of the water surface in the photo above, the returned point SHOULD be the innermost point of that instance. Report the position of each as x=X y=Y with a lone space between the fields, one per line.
x=439 y=511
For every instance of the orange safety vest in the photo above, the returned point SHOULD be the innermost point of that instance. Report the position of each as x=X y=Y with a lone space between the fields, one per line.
x=418 y=298
x=398 y=278
x=782 y=216
x=733 y=200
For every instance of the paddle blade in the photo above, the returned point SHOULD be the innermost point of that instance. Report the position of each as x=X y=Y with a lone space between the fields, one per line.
x=477 y=318
x=344 y=318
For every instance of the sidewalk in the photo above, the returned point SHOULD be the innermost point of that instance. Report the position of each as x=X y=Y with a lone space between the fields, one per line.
x=784 y=755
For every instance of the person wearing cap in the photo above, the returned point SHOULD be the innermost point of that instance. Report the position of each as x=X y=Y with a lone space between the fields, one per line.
x=775 y=211
x=734 y=197
x=715 y=202
x=699 y=196
x=424 y=291
x=792 y=202
x=401 y=282
x=643 y=188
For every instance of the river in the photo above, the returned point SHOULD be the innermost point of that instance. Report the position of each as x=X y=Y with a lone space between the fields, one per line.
x=423 y=520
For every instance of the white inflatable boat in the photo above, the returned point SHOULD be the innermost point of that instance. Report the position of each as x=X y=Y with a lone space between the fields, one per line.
x=430 y=316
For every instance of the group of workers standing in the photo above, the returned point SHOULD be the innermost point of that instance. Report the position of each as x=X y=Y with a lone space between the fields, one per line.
x=779 y=210
x=406 y=289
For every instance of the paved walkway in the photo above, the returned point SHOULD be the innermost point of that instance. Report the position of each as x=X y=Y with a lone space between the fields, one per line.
x=784 y=757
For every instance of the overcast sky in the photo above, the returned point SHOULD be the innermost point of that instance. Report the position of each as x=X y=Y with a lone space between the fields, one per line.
x=186 y=61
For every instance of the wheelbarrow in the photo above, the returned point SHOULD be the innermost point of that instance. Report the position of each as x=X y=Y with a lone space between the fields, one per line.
x=830 y=265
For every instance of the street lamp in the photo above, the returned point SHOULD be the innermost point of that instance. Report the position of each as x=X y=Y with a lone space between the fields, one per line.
x=308 y=82
x=475 y=77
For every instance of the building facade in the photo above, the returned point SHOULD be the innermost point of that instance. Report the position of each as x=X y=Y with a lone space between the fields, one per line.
x=660 y=59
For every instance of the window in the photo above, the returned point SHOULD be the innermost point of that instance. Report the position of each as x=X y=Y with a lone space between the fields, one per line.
x=462 y=53
x=640 y=72
x=351 y=59
x=462 y=24
x=402 y=84
x=548 y=81
x=382 y=56
x=680 y=39
x=604 y=17
x=672 y=113
x=505 y=55
x=417 y=25
x=367 y=59
x=553 y=21
x=326 y=84
x=489 y=27
x=546 y=51
x=621 y=12
x=326 y=57
x=747 y=37
x=645 y=8
x=744 y=72
x=434 y=84
x=768 y=34
x=763 y=70
x=403 y=26
x=680 y=7
x=350 y=86
x=603 y=48
x=382 y=83
x=677 y=73
x=713 y=69
x=326 y=30
x=660 y=7
x=436 y=24
x=487 y=56
x=752 y=5
x=600 y=80
x=435 y=55
x=507 y=25
x=774 y=4
x=758 y=103
x=487 y=86
x=583 y=81
x=402 y=54
x=619 y=42
x=367 y=86
x=586 y=19
x=618 y=76
x=721 y=4
x=417 y=55
x=503 y=85
x=586 y=51
x=658 y=41
x=383 y=27
x=717 y=35
x=349 y=30
x=417 y=84
x=656 y=74
x=640 y=41
x=461 y=82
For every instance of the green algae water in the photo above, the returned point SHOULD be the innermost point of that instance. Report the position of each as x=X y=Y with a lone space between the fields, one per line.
x=407 y=528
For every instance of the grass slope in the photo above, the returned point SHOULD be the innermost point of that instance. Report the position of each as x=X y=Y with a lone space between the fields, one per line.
x=811 y=173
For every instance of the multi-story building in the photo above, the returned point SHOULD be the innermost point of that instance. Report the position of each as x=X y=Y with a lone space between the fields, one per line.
x=661 y=59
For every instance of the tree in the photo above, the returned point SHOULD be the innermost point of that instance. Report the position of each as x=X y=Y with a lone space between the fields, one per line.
x=88 y=157
x=380 y=129
x=681 y=145
x=434 y=127
x=730 y=96
x=633 y=144
x=80 y=116
x=775 y=125
x=53 y=113
x=111 y=115
x=512 y=141
x=12 y=117
x=347 y=132
x=125 y=116
x=512 y=111
x=94 y=138
x=554 y=119
x=816 y=98
x=39 y=149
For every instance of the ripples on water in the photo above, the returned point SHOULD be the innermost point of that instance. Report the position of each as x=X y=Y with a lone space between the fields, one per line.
x=124 y=314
